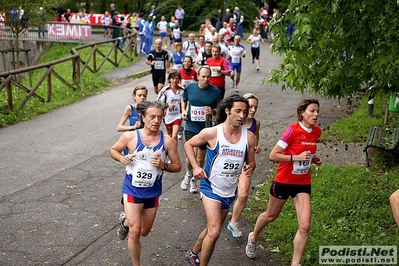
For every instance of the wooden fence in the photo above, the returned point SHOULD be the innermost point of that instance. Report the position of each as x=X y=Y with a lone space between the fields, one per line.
x=79 y=66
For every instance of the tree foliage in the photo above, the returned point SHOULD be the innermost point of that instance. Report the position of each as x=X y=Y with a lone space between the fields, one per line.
x=338 y=46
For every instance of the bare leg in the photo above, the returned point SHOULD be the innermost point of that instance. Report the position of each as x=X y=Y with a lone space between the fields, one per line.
x=273 y=210
x=215 y=217
x=140 y=223
x=394 y=200
x=239 y=204
x=238 y=78
x=303 y=210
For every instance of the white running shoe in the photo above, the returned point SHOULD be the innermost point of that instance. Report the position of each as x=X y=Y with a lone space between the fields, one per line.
x=186 y=182
x=234 y=229
x=193 y=186
x=250 y=248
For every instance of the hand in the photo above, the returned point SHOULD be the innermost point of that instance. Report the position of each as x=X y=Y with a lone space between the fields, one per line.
x=184 y=116
x=247 y=170
x=137 y=125
x=207 y=110
x=199 y=173
x=257 y=149
x=304 y=156
x=156 y=161
x=317 y=160
x=127 y=159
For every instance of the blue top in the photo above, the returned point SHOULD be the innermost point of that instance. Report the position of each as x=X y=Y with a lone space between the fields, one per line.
x=199 y=98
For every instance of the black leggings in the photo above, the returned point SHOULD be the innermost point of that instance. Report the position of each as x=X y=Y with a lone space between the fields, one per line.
x=255 y=53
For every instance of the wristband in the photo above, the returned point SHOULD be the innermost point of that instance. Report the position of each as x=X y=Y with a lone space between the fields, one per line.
x=292 y=158
x=165 y=167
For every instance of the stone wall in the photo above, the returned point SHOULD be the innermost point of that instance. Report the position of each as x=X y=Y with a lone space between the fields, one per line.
x=7 y=61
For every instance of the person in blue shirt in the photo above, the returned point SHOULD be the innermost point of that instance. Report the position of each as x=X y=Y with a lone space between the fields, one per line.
x=149 y=35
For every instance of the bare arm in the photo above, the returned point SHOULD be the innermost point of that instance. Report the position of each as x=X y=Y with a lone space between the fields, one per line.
x=184 y=105
x=256 y=133
x=277 y=155
x=125 y=116
x=116 y=150
x=171 y=148
x=206 y=136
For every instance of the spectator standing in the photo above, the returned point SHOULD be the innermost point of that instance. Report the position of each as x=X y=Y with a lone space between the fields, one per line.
x=198 y=105
x=295 y=152
x=219 y=20
x=145 y=164
x=153 y=13
x=230 y=152
x=227 y=16
x=21 y=12
x=238 y=21
x=24 y=22
x=148 y=36
x=41 y=28
x=179 y=15
x=163 y=31
x=115 y=24
x=58 y=8
x=158 y=59
x=113 y=9
x=141 y=23
x=2 y=25
x=67 y=15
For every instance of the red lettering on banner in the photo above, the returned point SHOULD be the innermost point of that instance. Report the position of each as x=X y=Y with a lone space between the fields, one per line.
x=91 y=18
x=66 y=30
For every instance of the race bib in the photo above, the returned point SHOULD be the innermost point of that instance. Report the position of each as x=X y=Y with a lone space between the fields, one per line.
x=302 y=167
x=178 y=66
x=198 y=114
x=143 y=177
x=187 y=81
x=215 y=71
x=235 y=59
x=159 y=65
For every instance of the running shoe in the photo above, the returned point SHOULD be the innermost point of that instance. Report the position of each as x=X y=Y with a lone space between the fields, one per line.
x=193 y=186
x=192 y=258
x=179 y=134
x=186 y=182
x=257 y=69
x=237 y=89
x=250 y=248
x=122 y=230
x=232 y=83
x=234 y=229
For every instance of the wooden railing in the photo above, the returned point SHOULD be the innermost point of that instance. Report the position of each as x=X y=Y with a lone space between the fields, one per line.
x=11 y=78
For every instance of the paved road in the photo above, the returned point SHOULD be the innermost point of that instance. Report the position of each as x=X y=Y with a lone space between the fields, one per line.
x=60 y=192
